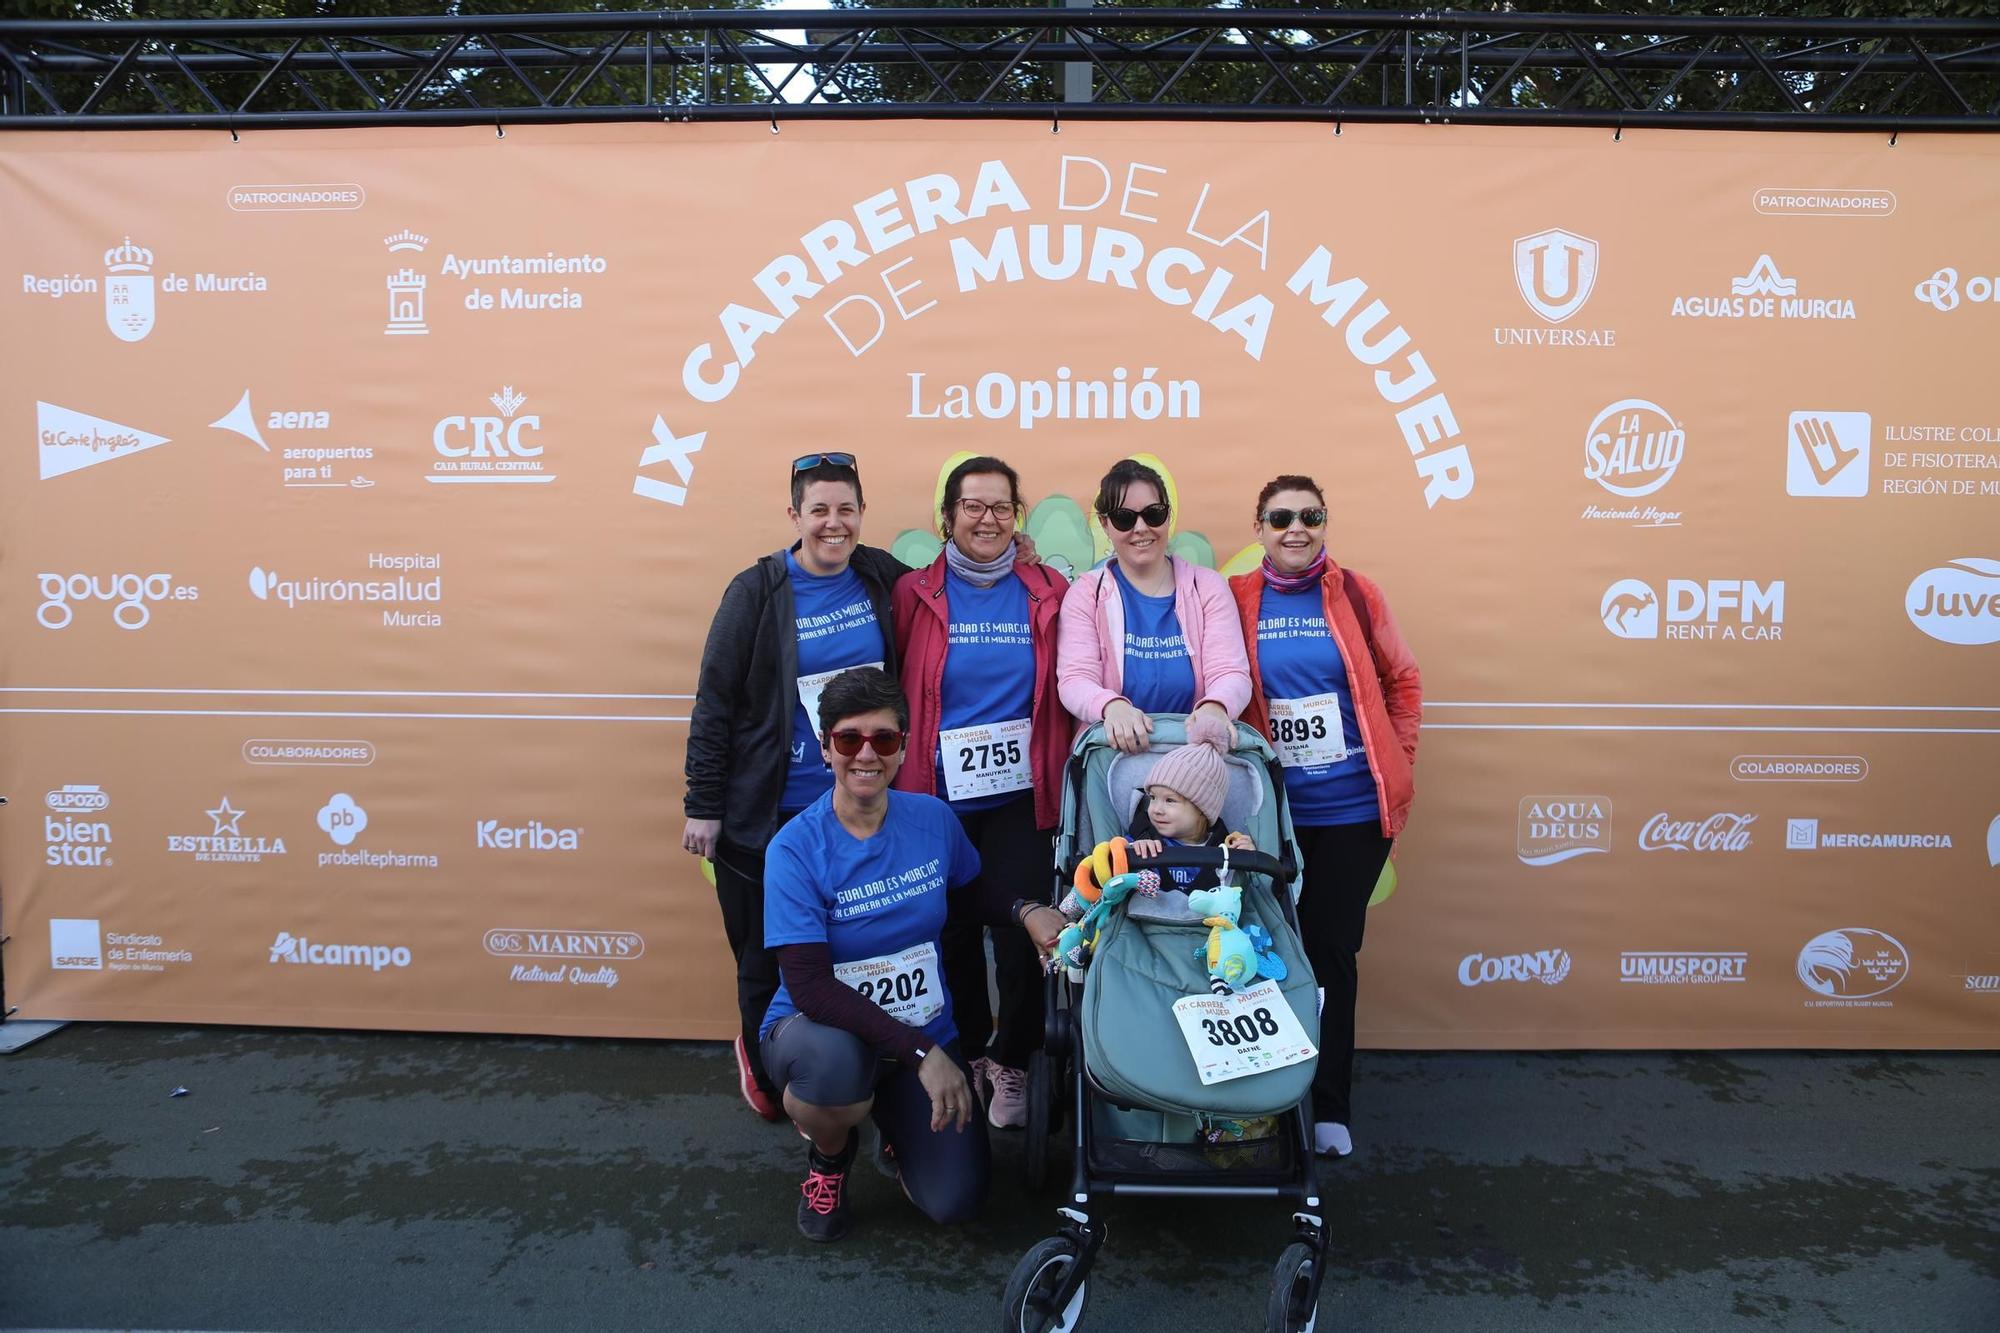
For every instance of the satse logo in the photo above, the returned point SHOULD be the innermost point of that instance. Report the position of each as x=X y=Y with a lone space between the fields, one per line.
x=75 y=945
x=1957 y=602
x=1695 y=609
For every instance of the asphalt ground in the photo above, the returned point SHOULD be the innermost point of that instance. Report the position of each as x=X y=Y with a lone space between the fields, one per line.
x=313 y=1180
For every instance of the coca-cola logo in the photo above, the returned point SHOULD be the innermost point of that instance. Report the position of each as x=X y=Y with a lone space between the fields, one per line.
x=1718 y=833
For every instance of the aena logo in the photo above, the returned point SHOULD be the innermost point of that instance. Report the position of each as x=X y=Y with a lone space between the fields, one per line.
x=1556 y=271
x=1853 y=963
x=1957 y=602
x=1695 y=609
x=1633 y=448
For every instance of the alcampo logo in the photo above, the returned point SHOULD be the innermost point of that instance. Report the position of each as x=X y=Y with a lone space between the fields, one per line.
x=1556 y=271
x=129 y=594
x=288 y=948
x=1957 y=602
x=1548 y=966
x=1695 y=609
x=1853 y=963
x=534 y=836
x=1633 y=448
x=70 y=440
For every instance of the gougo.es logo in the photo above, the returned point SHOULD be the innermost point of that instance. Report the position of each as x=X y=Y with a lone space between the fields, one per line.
x=130 y=596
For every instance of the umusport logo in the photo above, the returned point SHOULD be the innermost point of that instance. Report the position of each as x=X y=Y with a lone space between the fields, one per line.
x=288 y=948
x=1854 y=964
x=1957 y=602
x=1681 y=968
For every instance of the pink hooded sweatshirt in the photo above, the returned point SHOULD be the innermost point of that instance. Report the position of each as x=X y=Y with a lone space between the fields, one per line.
x=1090 y=654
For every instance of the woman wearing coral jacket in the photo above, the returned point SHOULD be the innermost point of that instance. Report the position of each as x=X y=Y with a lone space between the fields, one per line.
x=1337 y=691
x=1146 y=632
x=976 y=632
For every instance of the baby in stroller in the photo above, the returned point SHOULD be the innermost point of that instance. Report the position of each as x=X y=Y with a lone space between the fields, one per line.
x=1183 y=806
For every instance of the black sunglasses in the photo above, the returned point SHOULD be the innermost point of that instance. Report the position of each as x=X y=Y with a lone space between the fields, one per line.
x=805 y=462
x=848 y=743
x=1282 y=518
x=1154 y=515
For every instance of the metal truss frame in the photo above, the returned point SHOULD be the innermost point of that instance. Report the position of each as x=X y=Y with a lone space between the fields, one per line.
x=1134 y=64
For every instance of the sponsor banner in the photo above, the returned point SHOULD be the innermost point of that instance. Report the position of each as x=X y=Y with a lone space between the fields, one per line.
x=373 y=502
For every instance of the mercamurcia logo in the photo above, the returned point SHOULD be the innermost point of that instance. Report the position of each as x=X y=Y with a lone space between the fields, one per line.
x=1957 y=602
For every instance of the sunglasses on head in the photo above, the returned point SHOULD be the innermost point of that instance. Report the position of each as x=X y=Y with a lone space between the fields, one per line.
x=848 y=743
x=805 y=462
x=1154 y=516
x=1314 y=517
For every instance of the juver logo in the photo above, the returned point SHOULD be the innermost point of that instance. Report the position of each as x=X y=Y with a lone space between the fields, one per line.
x=1827 y=454
x=1556 y=271
x=1853 y=963
x=1958 y=602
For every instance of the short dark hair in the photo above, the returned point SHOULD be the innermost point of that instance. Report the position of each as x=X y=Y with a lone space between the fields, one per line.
x=954 y=483
x=1289 y=481
x=824 y=472
x=1123 y=474
x=861 y=690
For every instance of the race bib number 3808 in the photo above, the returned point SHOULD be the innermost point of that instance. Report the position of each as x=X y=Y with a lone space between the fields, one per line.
x=1243 y=1033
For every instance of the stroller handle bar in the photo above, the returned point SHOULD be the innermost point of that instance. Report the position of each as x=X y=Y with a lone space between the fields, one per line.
x=1283 y=870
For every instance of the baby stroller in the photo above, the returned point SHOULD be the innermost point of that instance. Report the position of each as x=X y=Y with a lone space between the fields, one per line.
x=1115 y=1061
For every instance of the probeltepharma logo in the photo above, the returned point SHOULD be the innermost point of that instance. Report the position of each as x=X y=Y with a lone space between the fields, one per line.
x=226 y=842
x=300 y=950
x=533 y=836
x=344 y=819
x=1940 y=290
x=131 y=597
x=1676 y=968
x=69 y=836
x=1806 y=835
x=1632 y=449
x=490 y=450
x=1763 y=293
x=1957 y=602
x=579 y=957
x=1709 y=609
x=1854 y=965
x=1826 y=454
x=1548 y=966
x=1721 y=832
x=75 y=945
x=1555 y=272
x=69 y=440
x=406 y=598
x=1553 y=829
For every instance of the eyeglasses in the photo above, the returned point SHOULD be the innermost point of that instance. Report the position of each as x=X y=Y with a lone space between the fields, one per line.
x=849 y=743
x=975 y=510
x=1153 y=516
x=805 y=462
x=1282 y=518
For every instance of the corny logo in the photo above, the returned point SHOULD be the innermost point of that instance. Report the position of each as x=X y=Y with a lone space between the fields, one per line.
x=1548 y=966
x=1957 y=602
x=1853 y=963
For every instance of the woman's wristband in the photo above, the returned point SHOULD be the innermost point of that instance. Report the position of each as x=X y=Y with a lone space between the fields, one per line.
x=1019 y=911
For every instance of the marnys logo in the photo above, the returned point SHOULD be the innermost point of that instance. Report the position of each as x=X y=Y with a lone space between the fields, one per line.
x=1632 y=449
x=1763 y=293
x=70 y=440
x=1804 y=835
x=1695 y=609
x=508 y=942
x=1651 y=968
x=69 y=841
x=1940 y=290
x=1957 y=602
x=290 y=949
x=343 y=819
x=482 y=450
x=1852 y=965
x=310 y=467
x=1723 y=832
x=1556 y=271
x=400 y=590
x=1548 y=966
x=1827 y=454
x=129 y=594
x=1551 y=829
x=226 y=842
x=75 y=945
x=534 y=836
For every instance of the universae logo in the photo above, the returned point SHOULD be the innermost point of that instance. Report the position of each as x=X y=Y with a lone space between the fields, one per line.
x=1556 y=271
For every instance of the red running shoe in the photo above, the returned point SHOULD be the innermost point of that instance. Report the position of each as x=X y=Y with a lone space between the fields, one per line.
x=746 y=1083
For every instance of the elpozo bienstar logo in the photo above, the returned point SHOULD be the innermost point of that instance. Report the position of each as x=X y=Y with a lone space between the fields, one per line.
x=490 y=450
x=1957 y=602
x=1678 y=968
x=1548 y=966
x=1711 y=609
x=406 y=600
x=70 y=839
x=1852 y=966
x=227 y=842
x=1763 y=293
x=1632 y=449
x=1555 y=272
x=1553 y=829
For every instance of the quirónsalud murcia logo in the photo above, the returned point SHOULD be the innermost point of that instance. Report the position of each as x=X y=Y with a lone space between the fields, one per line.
x=1957 y=602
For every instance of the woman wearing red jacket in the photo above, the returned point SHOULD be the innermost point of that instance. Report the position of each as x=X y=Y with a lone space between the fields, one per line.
x=976 y=634
x=1336 y=689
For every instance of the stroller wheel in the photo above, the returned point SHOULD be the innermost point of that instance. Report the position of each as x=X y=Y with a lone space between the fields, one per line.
x=1029 y=1303
x=1035 y=1167
x=1294 y=1306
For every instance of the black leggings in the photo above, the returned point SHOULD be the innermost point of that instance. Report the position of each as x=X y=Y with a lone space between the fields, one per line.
x=739 y=890
x=1342 y=863
x=945 y=1172
x=1014 y=856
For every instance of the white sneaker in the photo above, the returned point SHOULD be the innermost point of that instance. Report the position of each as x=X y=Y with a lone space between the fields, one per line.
x=1007 y=1108
x=1332 y=1140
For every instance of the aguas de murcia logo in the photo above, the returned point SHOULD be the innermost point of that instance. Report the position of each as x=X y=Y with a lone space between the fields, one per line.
x=1763 y=293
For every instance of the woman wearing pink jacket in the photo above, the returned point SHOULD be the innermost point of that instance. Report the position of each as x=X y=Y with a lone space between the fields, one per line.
x=1146 y=632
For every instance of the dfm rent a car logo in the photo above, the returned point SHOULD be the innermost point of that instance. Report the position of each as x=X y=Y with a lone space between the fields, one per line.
x=1695 y=609
x=1957 y=602
x=1853 y=963
x=129 y=594
x=1721 y=832
x=1940 y=290
x=490 y=450
x=288 y=948
x=533 y=836
x=1548 y=966
x=1556 y=271
x=1633 y=448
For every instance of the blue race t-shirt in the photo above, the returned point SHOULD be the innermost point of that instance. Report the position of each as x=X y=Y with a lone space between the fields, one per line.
x=866 y=898
x=989 y=668
x=1297 y=658
x=1159 y=673
x=837 y=628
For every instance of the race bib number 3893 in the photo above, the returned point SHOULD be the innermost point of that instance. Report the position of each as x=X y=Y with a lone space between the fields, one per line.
x=1306 y=732
x=1243 y=1033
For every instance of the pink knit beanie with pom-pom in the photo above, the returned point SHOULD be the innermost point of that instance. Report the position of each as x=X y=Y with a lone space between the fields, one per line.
x=1196 y=770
